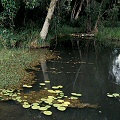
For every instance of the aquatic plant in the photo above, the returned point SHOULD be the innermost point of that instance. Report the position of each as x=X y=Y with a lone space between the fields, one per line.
x=43 y=100
x=114 y=95
x=13 y=64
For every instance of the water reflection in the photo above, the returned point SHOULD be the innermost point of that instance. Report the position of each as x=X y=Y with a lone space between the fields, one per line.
x=45 y=73
x=116 y=68
x=80 y=72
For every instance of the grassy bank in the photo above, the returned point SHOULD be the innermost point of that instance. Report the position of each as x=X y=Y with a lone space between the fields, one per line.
x=24 y=36
x=109 y=35
x=14 y=62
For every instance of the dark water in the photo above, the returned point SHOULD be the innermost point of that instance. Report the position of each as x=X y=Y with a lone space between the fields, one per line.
x=85 y=71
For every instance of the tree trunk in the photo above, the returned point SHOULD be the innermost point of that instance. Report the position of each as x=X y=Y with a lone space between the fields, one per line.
x=79 y=10
x=95 y=30
x=88 y=29
x=45 y=28
x=73 y=11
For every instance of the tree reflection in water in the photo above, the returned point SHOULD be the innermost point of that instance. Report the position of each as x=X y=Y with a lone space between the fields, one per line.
x=116 y=69
x=45 y=73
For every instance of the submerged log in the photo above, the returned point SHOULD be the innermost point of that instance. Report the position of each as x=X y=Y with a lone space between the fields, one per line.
x=78 y=104
x=82 y=35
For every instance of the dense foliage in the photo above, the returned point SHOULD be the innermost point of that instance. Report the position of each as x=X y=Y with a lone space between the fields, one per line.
x=86 y=15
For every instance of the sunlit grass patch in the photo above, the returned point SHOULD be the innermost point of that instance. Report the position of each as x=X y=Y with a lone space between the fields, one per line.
x=109 y=34
x=14 y=62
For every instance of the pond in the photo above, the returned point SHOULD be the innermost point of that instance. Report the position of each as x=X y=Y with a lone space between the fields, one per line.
x=83 y=70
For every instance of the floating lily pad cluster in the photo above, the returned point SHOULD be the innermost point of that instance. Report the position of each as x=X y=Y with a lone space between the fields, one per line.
x=114 y=95
x=43 y=100
x=27 y=86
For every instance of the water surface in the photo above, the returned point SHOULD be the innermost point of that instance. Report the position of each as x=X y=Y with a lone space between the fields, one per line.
x=85 y=71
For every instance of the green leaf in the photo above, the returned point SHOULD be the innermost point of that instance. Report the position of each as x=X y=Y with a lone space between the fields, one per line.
x=47 y=112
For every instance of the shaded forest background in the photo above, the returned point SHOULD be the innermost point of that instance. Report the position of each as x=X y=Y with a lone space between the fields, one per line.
x=21 y=20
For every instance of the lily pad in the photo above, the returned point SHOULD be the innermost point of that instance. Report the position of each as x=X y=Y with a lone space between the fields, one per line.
x=19 y=100
x=48 y=106
x=43 y=84
x=110 y=95
x=57 y=105
x=35 y=107
x=61 y=108
x=14 y=95
x=35 y=104
x=47 y=81
x=55 y=87
x=51 y=91
x=67 y=102
x=10 y=91
x=75 y=98
x=43 y=99
x=60 y=86
x=75 y=94
x=43 y=108
x=47 y=112
x=115 y=94
x=58 y=91
x=26 y=105
x=59 y=100
x=27 y=86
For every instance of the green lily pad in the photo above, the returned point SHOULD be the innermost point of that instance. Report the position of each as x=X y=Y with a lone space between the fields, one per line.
x=60 y=86
x=67 y=102
x=75 y=94
x=55 y=87
x=110 y=95
x=27 y=86
x=47 y=81
x=14 y=95
x=10 y=91
x=64 y=105
x=59 y=97
x=59 y=100
x=18 y=97
x=35 y=104
x=6 y=94
x=43 y=84
x=45 y=88
x=115 y=94
x=43 y=108
x=43 y=99
x=47 y=112
x=48 y=106
x=48 y=102
x=26 y=105
x=19 y=100
x=73 y=98
x=65 y=96
x=58 y=91
x=57 y=105
x=51 y=91
x=61 y=108
x=35 y=107
x=51 y=97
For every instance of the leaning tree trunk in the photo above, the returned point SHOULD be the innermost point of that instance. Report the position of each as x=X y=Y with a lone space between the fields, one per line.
x=79 y=10
x=45 y=28
x=88 y=27
x=73 y=11
x=95 y=30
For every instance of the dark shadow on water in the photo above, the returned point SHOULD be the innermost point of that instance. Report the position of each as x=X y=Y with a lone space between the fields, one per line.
x=81 y=70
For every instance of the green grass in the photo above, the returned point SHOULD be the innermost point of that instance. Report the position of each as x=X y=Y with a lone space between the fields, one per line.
x=14 y=62
x=61 y=30
x=108 y=34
